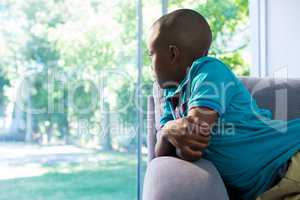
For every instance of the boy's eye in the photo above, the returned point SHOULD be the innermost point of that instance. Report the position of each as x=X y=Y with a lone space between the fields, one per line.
x=149 y=53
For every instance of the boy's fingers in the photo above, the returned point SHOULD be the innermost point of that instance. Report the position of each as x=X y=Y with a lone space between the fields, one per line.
x=174 y=142
x=200 y=138
x=200 y=127
x=198 y=121
x=189 y=154
x=195 y=145
x=204 y=130
x=201 y=130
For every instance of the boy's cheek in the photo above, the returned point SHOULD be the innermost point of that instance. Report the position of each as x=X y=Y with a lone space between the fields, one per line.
x=153 y=73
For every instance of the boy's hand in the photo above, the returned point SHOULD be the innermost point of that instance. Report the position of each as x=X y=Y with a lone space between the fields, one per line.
x=186 y=137
x=189 y=136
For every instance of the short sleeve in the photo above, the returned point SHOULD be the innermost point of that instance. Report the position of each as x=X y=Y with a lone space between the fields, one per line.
x=167 y=114
x=212 y=85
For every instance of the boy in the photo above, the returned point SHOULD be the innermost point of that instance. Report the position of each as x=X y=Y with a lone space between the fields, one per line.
x=209 y=113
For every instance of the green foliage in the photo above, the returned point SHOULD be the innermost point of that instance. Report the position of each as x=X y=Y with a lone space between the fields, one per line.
x=236 y=62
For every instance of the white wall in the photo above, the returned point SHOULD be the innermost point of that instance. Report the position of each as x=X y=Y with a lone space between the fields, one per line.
x=275 y=38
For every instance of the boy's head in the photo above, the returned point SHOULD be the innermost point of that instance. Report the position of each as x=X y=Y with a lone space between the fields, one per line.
x=175 y=41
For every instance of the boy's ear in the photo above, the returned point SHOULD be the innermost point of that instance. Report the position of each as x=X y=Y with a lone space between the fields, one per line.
x=174 y=53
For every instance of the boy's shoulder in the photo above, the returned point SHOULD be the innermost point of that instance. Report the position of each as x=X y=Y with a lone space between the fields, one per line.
x=205 y=59
x=204 y=70
x=210 y=65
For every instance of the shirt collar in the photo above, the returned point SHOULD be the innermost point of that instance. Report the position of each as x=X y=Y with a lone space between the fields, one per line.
x=177 y=90
x=171 y=92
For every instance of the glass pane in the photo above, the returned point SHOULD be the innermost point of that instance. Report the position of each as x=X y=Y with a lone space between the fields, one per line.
x=152 y=10
x=68 y=105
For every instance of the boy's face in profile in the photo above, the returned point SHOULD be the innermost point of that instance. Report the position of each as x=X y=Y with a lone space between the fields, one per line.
x=163 y=63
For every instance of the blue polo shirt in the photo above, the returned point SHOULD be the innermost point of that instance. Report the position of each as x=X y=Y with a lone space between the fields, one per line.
x=247 y=146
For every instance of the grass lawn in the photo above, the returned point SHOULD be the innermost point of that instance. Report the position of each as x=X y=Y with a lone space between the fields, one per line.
x=114 y=178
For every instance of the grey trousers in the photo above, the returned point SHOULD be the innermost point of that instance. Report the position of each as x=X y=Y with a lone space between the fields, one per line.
x=169 y=178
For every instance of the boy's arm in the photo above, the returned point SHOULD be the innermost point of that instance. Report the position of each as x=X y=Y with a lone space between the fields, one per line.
x=198 y=114
x=203 y=114
x=163 y=147
x=182 y=134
